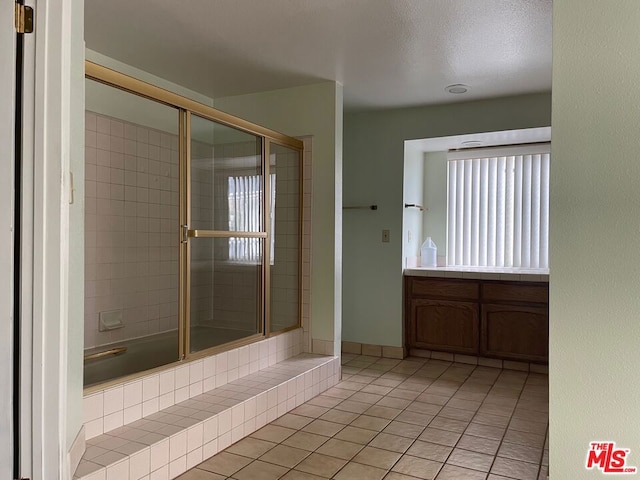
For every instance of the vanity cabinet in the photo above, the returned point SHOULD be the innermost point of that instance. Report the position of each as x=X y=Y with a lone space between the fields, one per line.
x=443 y=315
x=490 y=318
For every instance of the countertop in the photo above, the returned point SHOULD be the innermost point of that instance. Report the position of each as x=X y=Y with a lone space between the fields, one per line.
x=481 y=273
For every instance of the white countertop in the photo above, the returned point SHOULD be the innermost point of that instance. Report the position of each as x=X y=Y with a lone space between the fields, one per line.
x=481 y=273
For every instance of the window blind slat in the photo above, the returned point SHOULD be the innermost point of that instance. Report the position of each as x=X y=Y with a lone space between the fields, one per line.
x=498 y=211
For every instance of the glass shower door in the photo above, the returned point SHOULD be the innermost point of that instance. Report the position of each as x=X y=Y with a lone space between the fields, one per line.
x=226 y=235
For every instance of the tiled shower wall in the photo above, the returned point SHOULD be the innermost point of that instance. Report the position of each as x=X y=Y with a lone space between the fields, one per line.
x=285 y=271
x=131 y=254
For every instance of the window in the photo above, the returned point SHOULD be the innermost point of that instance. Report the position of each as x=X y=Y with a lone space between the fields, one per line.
x=245 y=215
x=498 y=207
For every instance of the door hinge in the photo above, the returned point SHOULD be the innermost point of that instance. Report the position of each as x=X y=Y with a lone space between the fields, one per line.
x=24 y=18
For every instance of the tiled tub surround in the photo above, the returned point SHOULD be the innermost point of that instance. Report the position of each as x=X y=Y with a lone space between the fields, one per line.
x=158 y=426
x=131 y=213
x=402 y=420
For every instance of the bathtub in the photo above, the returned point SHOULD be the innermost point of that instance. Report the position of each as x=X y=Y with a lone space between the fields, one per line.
x=145 y=353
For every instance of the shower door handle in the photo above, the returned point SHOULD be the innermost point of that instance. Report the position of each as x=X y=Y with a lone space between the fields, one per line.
x=185 y=233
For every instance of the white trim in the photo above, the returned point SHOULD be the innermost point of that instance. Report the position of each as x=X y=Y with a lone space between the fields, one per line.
x=7 y=152
x=506 y=151
x=50 y=237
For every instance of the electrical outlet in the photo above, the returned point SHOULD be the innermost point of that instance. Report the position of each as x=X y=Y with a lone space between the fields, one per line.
x=385 y=236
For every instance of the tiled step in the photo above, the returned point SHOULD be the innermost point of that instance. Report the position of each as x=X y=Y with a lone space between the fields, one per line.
x=165 y=444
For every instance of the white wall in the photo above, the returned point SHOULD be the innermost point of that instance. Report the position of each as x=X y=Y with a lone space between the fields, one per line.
x=75 y=345
x=413 y=194
x=373 y=173
x=311 y=110
x=435 y=200
x=595 y=197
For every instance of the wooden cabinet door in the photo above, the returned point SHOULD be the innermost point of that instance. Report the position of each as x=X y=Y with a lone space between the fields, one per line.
x=515 y=332
x=443 y=325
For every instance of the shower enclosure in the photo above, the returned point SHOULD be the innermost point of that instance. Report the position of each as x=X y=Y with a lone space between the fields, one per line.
x=192 y=228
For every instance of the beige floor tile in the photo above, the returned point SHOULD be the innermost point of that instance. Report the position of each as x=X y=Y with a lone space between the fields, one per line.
x=377 y=457
x=291 y=420
x=339 y=416
x=321 y=465
x=478 y=444
x=417 y=467
x=377 y=389
x=469 y=405
x=452 y=472
x=336 y=392
x=424 y=408
x=370 y=423
x=386 y=382
x=485 y=431
x=305 y=440
x=251 y=447
x=322 y=427
x=356 y=435
x=456 y=414
x=449 y=424
x=441 y=437
x=429 y=451
x=197 y=474
x=273 y=433
x=524 y=438
x=349 y=385
x=225 y=463
x=397 y=403
x=296 y=475
x=433 y=399
x=472 y=460
x=414 y=418
x=259 y=470
x=340 y=449
x=356 y=471
x=405 y=394
x=515 y=469
x=522 y=425
x=353 y=407
x=308 y=410
x=520 y=452
x=381 y=411
x=369 y=398
x=398 y=476
x=394 y=443
x=493 y=420
x=285 y=456
x=403 y=429
x=324 y=401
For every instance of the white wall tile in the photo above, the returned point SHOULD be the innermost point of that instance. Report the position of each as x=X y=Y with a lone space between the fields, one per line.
x=177 y=446
x=159 y=454
x=93 y=406
x=140 y=464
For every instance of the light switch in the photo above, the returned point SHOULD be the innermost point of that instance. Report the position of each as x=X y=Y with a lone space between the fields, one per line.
x=385 y=236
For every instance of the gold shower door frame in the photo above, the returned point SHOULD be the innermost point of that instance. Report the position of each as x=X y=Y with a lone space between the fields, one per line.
x=184 y=234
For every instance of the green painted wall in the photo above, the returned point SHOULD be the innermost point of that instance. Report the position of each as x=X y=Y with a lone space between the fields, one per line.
x=435 y=200
x=311 y=110
x=412 y=193
x=595 y=197
x=373 y=173
x=75 y=344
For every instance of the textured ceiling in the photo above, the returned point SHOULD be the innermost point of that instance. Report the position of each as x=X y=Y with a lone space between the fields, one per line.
x=386 y=53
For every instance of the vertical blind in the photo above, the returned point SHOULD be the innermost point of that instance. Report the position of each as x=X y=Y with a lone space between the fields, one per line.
x=498 y=207
x=245 y=215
